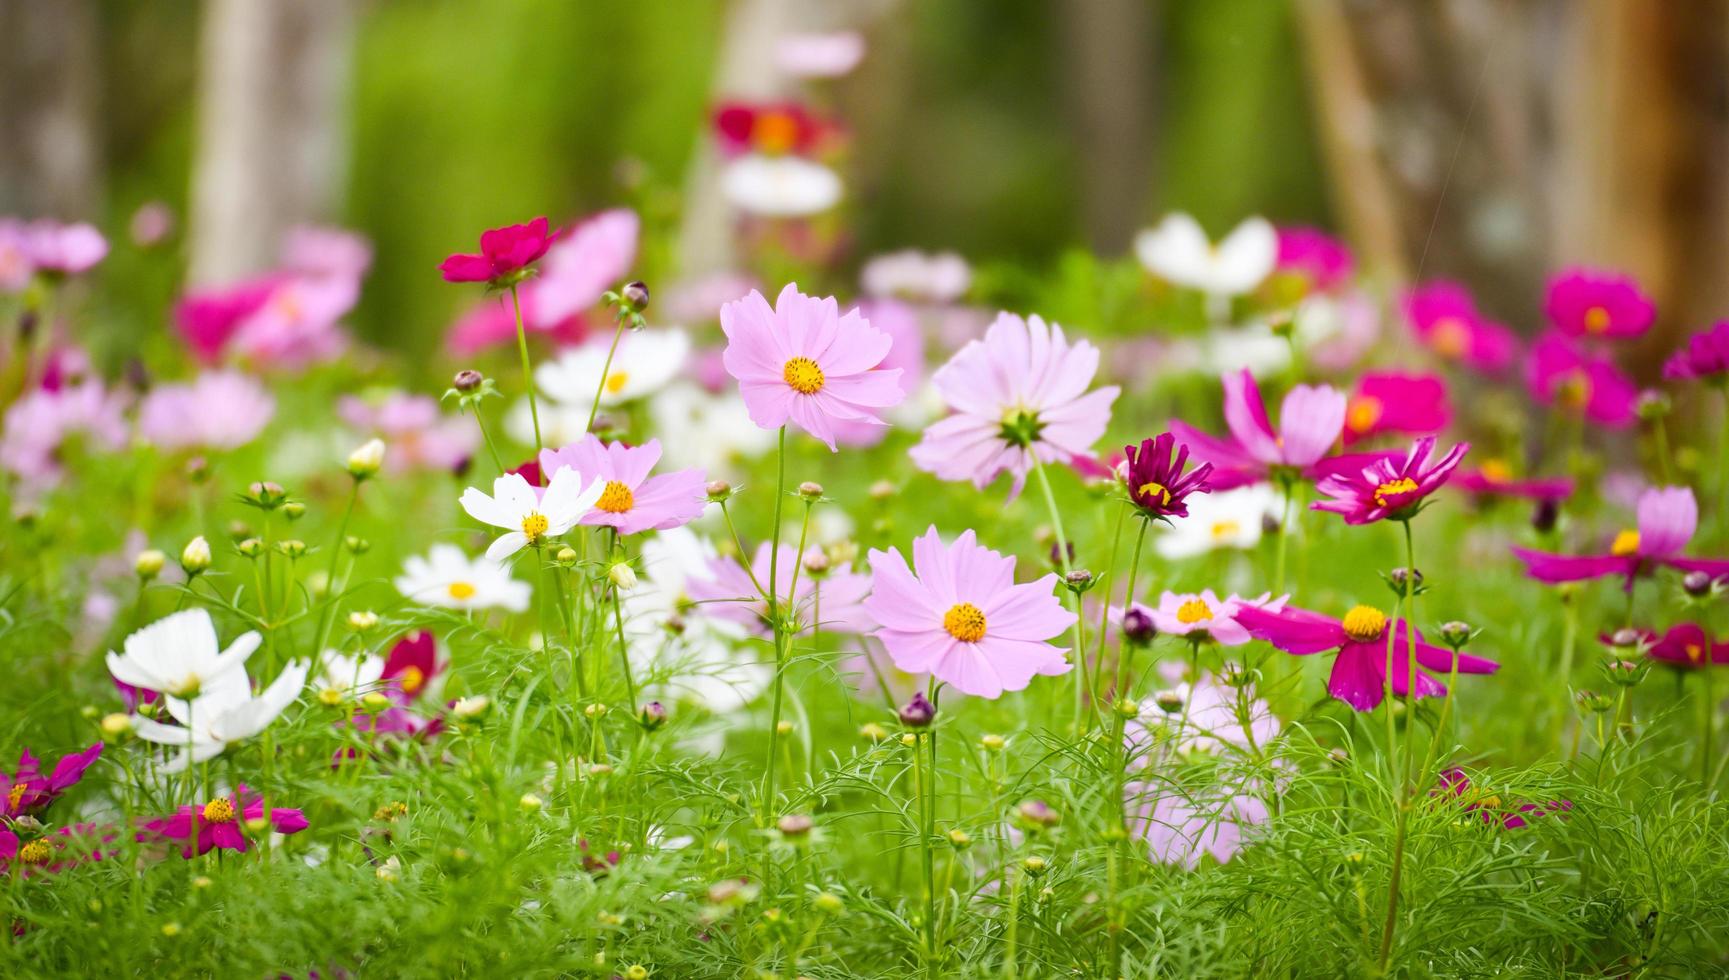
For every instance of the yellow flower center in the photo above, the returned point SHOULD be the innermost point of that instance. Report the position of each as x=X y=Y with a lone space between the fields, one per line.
x=15 y=796
x=1497 y=470
x=411 y=679
x=390 y=811
x=803 y=375
x=1393 y=488
x=965 y=622
x=219 y=811
x=1491 y=802
x=1194 y=611
x=1694 y=652
x=37 y=852
x=1363 y=414
x=1158 y=490
x=616 y=498
x=1625 y=545
x=1596 y=320
x=1574 y=390
x=616 y=381
x=534 y=525
x=1450 y=337
x=774 y=132
x=1225 y=529
x=461 y=590
x=1364 y=623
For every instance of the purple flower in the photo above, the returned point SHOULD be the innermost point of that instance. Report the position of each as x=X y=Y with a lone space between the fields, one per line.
x=1389 y=489
x=1667 y=518
x=1156 y=481
x=1595 y=303
x=220 y=410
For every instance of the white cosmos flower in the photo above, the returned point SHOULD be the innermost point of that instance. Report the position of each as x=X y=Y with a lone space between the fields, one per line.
x=224 y=712
x=780 y=186
x=644 y=362
x=448 y=578
x=710 y=665
x=178 y=655
x=1221 y=519
x=527 y=517
x=342 y=677
x=941 y=277
x=1178 y=250
x=709 y=432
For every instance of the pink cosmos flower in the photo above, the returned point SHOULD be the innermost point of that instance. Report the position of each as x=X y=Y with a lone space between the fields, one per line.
x=1562 y=375
x=27 y=790
x=592 y=258
x=1705 y=356
x=906 y=354
x=1155 y=479
x=1495 y=479
x=1390 y=401
x=828 y=55
x=492 y=323
x=1667 y=518
x=1389 y=489
x=1310 y=420
x=39 y=424
x=505 y=254
x=419 y=435
x=1180 y=830
x=768 y=128
x=1322 y=261
x=1686 y=646
x=1210 y=719
x=220 y=410
x=1359 y=676
x=299 y=324
x=151 y=224
x=963 y=619
x=804 y=362
x=1595 y=303
x=326 y=252
x=631 y=501
x=834 y=602
x=1456 y=784
x=1189 y=613
x=16 y=266
x=208 y=318
x=1447 y=321
x=223 y=822
x=64 y=249
x=1019 y=393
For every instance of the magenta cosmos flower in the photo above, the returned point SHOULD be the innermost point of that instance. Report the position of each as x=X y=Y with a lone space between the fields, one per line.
x=1667 y=518
x=1455 y=783
x=1019 y=393
x=1495 y=479
x=1705 y=356
x=804 y=362
x=505 y=255
x=1389 y=488
x=1445 y=318
x=54 y=852
x=1310 y=420
x=1359 y=676
x=1562 y=375
x=1389 y=401
x=1155 y=478
x=223 y=822
x=1596 y=303
x=963 y=620
x=28 y=790
x=1190 y=613
x=1686 y=646
x=631 y=500
x=1320 y=260
x=831 y=601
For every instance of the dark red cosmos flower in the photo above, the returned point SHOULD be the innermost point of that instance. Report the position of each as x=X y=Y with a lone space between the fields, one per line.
x=505 y=254
x=1155 y=477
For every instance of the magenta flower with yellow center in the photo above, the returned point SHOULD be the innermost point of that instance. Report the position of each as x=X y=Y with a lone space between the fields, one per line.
x=1667 y=518
x=1156 y=481
x=1389 y=488
x=630 y=499
x=1310 y=420
x=962 y=619
x=1595 y=303
x=803 y=362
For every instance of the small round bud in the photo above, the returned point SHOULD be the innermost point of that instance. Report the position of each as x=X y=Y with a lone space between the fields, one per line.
x=873 y=731
x=794 y=825
x=1138 y=626
x=195 y=557
x=356 y=545
x=171 y=929
x=635 y=296
x=294 y=510
x=918 y=712
x=1545 y=515
x=565 y=557
x=783 y=728
x=1338 y=756
x=374 y=701
x=596 y=710
x=116 y=725
x=1037 y=814
x=366 y=460
x=1456 y=634
x=250 y=548
x=530 y=802
x=622 y=576
x=810 y=491
x=882 y=490
x=198 y=469
x=816 y=562
x=331 y=697
x=1169 y=701
x=1625 y=639
x=1057 y=554
x=1403 y=579
x=362 y=620
x=909 y=740
x=1626 y=673
x=292 y=547
x=828 y=902
x=266 y=494
x=718 y=490
x=1593 y=702
x=1127 y=707
x=1697 y=584
x=1078 y=581
x=1034 y=865
x=148 y=563
x=992 y=743
x=1652 y=405
x=959 y=839
x=652 y=716
x=471 y=707
x=636 y=971
x=467 y=380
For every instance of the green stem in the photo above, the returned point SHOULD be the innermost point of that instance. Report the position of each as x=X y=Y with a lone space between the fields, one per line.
x=1084 y=708
x=527 y=374
x=1401 y=794
x=776 y=623
x=618 y=623
x=605 y=372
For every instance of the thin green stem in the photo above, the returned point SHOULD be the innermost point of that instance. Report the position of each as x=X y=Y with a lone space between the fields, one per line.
x=527 y=374
x=605 y=372
x=1084 y=708
x=777 y=623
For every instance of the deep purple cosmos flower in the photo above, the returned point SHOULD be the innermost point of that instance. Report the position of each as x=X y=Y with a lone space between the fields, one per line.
x=1156 y=481
x=1667 y=518
x=1705 y=356
x=1389 y=489
x=1359 y=675
x=1595 y=303
x=223 y=822
x=28 y=790
x=1489 y=807
x=1310 y=419
x=505 y=254
x=1562 y=375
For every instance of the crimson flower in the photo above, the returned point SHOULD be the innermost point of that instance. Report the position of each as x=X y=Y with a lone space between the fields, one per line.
x=1156 y=481
x=505 y=255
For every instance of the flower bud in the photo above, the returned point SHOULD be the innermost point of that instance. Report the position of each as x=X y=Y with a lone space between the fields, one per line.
x=1138 y=626
x=374 y=701
x=1170 y=701
x=266 y=494
x=195 y=557
x=356 y=545
x=918 y=712
x=651 y=715
x=116 y=725
x=622 y=576
x=467 y=380
x=910 y=740
x=1456 y=634
x=471 y=707
x=959 y=839
x=828 y=902
x=718 y=490
x=794 y=825
x=1593 y=702
x=1544 y=516
x=1233 y=674
x=1078 y=581
x=365 y=461
x=530 y=802
x=362 y=620
x=1697 y=584
x=566 y=557
x=810 y=491
x=816 y=562
x=992 y=743
x=594 y=711
x=635 y=296
x=873 y=731
x=1626 y=673
x=250 y=548
x=1652 y=405
x=1037 y=815
x=1127 y=707
x=882 y=490
x=783 y=728
x=1034 y=865
x=198 y=469
x=1405 y=579
x=1625 y=639
x=148 y=563
x=636 y=971
x=292 y=547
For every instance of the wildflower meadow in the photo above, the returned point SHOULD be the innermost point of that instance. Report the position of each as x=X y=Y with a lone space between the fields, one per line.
x=1216 y=608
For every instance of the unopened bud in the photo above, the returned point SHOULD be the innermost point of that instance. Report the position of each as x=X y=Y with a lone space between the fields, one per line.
x=565 y=557
x=1078 y=581
x=882 y=490
x=116 y=725
x=467 y=380
x=783 y=728
x=635 y=296
x=365 y=462
x=873 y=731
x=195 y=557
x=471 y=707
x=250 y=548
x=1037 y=814
x=992 y=743
x=959 y=839
x=1169 y=701
x=718 y=490
x=794 y=825
x=810 y=491
x=918 y=712
x=1138 y=626
x=1545 y=515
x=1625 y=639
x=148 y=563
x=1652 y=405
x=1697 y=584
x=651 y=715
x=362 y=620
x=530 y=803
x=292 y=547
x=266 y=494
x=596 y=710
x=1456 y=634
x=622 y=576
x=356 y=545
x=816 y=562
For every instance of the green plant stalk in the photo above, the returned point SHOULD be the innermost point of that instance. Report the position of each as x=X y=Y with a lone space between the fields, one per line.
x=1402 y=793
x=776 y=623
x=528 y=375
x=1084 y=710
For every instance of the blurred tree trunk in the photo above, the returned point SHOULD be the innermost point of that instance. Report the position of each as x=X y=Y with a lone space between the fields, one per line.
x=1107 y=52
x=49 y=148
x=272 y=139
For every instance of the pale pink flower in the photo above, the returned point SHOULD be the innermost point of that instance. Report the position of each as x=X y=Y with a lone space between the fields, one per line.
x=1310 y=420
x=907 y=354
x=419 y=435
x=631 y=500
x=814 y=55
x=38 y=425
x=16 y=266
x=1188 y=613
x=805 y=363
x=943 y=277
x=334 y=252
x=219 y=410
x=298 y=325
x=1179 y=830
x=65 y=249
x=963 y=619
x=590 y=259
x=1020 y=391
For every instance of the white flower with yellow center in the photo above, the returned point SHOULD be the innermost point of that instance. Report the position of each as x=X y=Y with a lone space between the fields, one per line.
x=225 y=712
x=1178 y=251
x=447 y=578
x=530 y=518
x=1221 y=519
x=342 y=678
x=178 y=655
x=644 y=362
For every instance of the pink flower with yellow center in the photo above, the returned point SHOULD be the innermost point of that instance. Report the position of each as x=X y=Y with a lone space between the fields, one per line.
x=224 y=822
x=805 y=363
x=1446 y=319
x=963 y=620
x=1389 y=488
x=1496 y=479
x=1310 y=420
x=1667 y=518
x=1394 y=402
x=1562 y=375
x=1204 y=613
x=1596 y=303
x=630 y=499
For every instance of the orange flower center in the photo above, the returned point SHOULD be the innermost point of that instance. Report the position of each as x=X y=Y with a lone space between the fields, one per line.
x=774 y=132
x=1625 y=545
x=965 y=622
x=1364 y=412
x=411 y=679
x=1596 y=320
x=803 y=375
x=1450 y=337
x=1194 y=611
x=616 y=498
x=1364 y=623
x=219 y=811
x=1497 y=470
